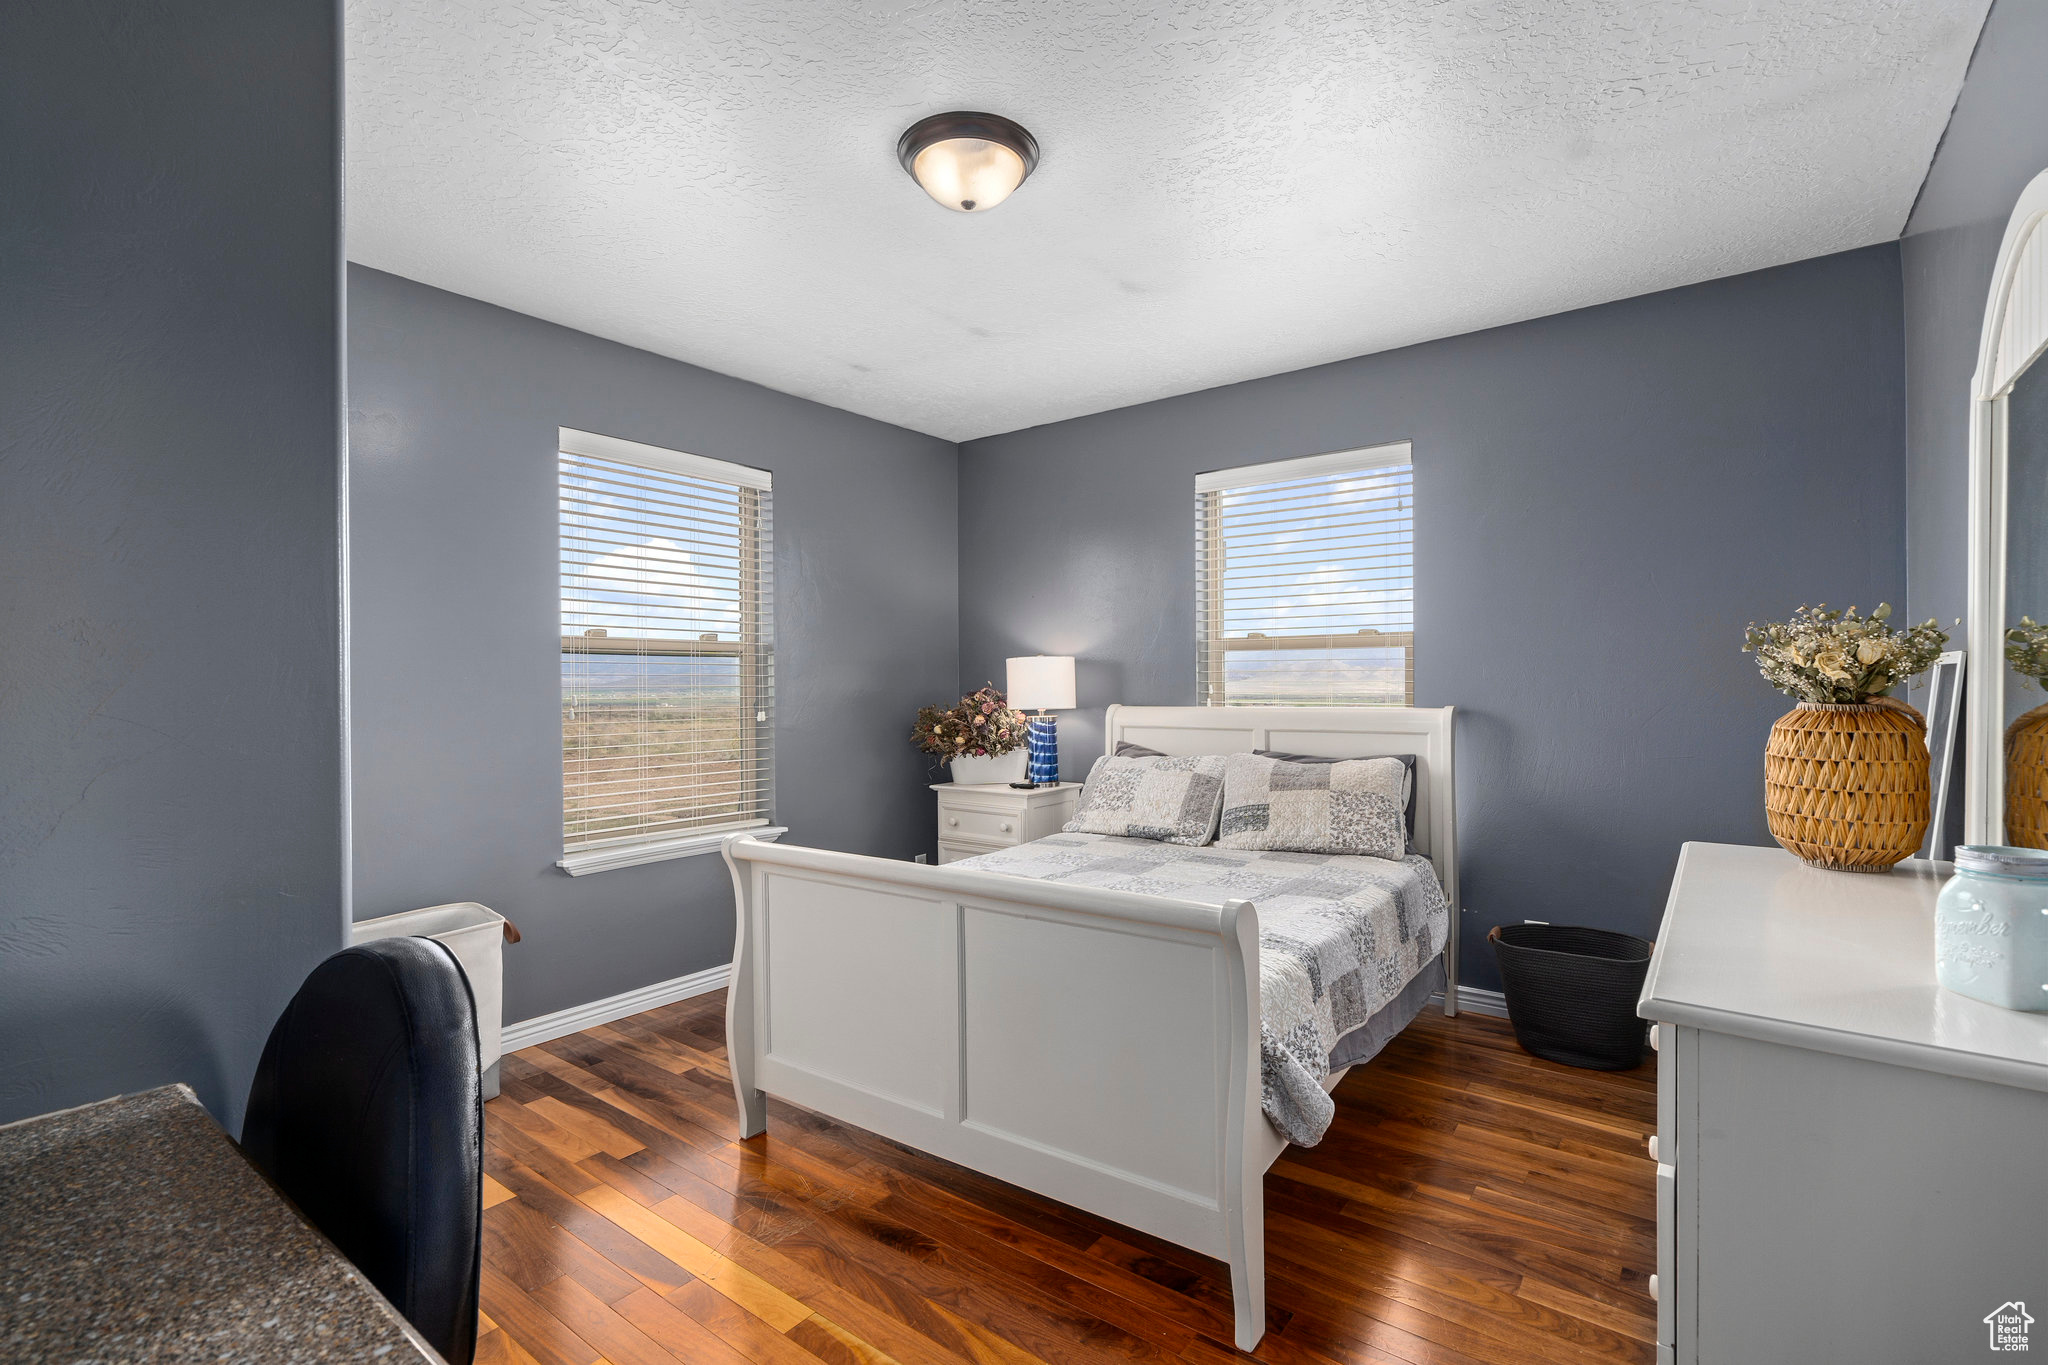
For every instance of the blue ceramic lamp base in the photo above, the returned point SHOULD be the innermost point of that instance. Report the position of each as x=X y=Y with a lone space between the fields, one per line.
x=1044 y=767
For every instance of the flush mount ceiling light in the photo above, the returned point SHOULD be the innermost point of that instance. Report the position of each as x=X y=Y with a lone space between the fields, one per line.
x=968 y=162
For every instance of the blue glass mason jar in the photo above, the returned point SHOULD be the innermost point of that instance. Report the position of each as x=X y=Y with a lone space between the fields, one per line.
x=1991 y=926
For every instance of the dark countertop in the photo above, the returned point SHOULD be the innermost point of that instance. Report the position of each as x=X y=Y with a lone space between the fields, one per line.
x=134 y=1230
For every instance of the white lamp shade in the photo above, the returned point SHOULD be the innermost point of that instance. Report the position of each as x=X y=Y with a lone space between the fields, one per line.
x=1041 y=682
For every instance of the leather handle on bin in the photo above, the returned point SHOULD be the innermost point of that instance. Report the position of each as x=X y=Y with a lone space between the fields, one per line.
x=511 y=931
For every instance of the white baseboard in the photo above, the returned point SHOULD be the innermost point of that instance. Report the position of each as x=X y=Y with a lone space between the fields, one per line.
x=1471 y=1000
x=546 y=1028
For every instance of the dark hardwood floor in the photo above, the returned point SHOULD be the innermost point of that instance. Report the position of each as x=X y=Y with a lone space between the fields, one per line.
x=1470 y=1203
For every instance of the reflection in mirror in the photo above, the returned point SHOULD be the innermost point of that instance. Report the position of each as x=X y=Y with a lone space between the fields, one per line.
x=2026 y=603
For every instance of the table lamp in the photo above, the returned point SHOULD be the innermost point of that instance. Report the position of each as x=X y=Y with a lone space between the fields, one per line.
x=1041 y=683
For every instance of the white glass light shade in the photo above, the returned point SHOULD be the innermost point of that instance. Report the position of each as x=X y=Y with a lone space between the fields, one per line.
x=967 y=161
x=968 y=174
x=1041 y=682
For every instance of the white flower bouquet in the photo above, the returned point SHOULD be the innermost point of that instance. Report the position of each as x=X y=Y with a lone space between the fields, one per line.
x=1838 y=657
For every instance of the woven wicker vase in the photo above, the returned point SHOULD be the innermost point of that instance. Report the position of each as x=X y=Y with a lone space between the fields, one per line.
x=1845 y=787
x=2026 y=780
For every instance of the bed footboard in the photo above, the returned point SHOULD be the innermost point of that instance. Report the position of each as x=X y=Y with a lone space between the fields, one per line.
x=1098 y=1047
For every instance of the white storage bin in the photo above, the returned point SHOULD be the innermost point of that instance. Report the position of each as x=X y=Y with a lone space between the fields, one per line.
x=476 y=935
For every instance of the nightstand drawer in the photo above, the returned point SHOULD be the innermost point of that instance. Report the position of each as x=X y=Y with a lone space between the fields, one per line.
x=978 y=817
x=966 y=822
x=952 y=852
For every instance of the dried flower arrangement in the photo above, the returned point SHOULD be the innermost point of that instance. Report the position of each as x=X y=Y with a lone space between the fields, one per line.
x=2026 y=649
x=980 y=725
x=1838 y=657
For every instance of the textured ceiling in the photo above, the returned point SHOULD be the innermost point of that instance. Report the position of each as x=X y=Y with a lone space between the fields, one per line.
x=1228 y=189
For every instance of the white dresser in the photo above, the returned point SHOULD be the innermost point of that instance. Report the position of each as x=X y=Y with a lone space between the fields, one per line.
x=1853 y=1162
x=977 y=817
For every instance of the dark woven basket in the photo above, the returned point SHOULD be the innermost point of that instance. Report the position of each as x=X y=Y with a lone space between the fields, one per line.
x=1572 y=992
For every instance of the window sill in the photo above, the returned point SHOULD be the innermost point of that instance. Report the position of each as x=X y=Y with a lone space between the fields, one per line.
x=585 y=861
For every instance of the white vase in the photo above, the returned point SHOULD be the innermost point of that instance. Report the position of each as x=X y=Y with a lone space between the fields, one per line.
x=1011 y=767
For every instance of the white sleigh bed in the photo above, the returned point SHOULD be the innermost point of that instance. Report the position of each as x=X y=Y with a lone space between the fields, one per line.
x=1096 y=1046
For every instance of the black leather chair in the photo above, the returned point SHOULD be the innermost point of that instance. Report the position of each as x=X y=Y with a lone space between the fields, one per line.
x=367 y=1111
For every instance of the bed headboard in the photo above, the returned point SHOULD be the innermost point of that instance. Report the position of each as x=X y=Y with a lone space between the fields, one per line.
x=1329 y=732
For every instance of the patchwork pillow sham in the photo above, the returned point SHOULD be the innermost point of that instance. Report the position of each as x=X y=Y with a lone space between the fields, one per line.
x=1407 y=783
x=1173 y=800
x=1349 y=806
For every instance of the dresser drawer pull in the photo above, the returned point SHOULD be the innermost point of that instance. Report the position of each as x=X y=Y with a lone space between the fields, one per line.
x=1653 y=1146
x=952 y=819
x=1653 y=1287
x=1006 y=826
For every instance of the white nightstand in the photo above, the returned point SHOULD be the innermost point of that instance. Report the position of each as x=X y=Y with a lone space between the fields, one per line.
x=976 y=818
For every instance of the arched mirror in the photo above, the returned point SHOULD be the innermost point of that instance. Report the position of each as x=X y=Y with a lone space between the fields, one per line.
x=2006 y=783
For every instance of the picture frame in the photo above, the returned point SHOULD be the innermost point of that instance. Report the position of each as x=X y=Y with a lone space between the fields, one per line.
x=1944 y=713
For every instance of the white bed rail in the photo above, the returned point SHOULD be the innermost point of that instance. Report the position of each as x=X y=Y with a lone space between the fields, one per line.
x=1098 y=1047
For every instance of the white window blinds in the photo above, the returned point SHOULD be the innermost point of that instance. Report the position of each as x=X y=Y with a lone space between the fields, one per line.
x=667 y=643
x=1305 y=581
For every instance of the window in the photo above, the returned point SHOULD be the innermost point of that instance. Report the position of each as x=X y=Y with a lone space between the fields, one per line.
x=667 y=654
x=1305 y=581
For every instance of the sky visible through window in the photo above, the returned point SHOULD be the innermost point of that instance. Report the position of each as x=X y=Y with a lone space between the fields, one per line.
x=648 y=553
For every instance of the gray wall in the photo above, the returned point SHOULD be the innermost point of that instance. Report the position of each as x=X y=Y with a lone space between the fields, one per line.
x=170 y=442
x=453 y=409
x=1997 y=140
x=1604 y=499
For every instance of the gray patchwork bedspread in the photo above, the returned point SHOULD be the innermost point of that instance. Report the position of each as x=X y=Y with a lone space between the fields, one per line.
x=1339 y=936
